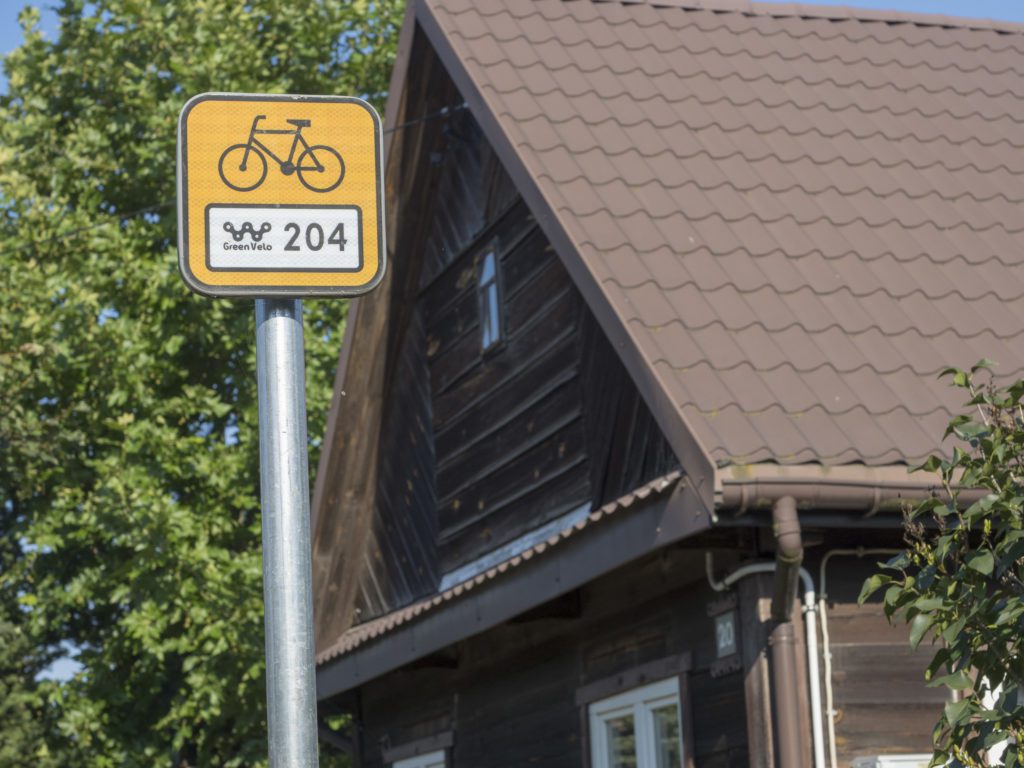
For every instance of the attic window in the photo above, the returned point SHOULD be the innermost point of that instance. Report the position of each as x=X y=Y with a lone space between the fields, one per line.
x=490 y=300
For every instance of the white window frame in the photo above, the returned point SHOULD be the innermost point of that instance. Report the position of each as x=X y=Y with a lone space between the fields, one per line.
x=489 y=299
x=638 y=702
x=434 y=759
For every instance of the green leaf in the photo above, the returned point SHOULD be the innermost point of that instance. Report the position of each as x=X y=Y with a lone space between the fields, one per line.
x=981 y=561
x=928 y=604
x=898 y=562
x=956 y=711
x=872 y=585
x=951 y=632
x=918 y=627
x=958 y=681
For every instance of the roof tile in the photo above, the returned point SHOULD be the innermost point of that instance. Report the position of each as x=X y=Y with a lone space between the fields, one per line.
x=801 y=215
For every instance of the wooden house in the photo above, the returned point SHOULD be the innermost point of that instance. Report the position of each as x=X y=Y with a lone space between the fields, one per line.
x=670 y=283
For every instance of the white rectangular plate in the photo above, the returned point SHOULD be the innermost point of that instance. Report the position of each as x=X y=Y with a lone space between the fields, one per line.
x=262 y=237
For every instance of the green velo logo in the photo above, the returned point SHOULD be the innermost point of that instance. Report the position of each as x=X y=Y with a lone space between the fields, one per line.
x=247 y=228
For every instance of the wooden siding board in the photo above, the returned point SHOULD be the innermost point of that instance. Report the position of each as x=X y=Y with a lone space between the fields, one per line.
x=513 y=688
x=457 y=354
x=509 y=441
x=882 y=703
x=470 y=194
x=525 y=259
x=506 y=232
x=552 y=307
x=552 y=286
x=459 y=212
x=550 y=414
x=477 y=421
x=460 y=318
x=544 y=461
x=558 y=323
x=872 y=730
x=541 y=504
x=732 y=758
x=625 y=445
x=391 y=716
x=858 y=668
x=403 y=559
x=717 y=721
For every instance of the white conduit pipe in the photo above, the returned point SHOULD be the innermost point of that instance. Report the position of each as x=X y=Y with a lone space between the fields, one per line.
x=810 y=610
x=829 y=696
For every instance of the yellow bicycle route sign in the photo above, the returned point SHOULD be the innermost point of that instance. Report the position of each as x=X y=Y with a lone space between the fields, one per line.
x=280 y=196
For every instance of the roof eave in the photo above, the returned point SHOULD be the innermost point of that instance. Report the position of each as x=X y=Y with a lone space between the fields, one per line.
x=651 y=523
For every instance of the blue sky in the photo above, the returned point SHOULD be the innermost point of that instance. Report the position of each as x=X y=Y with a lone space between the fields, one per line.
x=1007 y=10
x=10 y=32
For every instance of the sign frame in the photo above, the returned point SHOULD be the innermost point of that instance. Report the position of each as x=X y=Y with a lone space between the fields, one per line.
x=276 y=291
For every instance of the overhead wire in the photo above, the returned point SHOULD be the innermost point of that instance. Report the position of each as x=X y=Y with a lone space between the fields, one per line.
x=443 y=112
x=129 y=215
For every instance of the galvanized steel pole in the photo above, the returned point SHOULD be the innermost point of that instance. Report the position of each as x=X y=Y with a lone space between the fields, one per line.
x=287 y=579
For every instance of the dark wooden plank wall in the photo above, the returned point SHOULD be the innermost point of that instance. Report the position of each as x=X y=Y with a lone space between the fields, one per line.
x=626 y=446
x=476 y=449
x=547 y=422
x=452 y=188
x=510 y=696
x=472 y=191
x=398 y=561
x=402 y=564
x=883 y=704
x=509 y=438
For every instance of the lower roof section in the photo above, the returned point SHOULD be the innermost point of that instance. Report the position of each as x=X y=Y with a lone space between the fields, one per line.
x=655 y=515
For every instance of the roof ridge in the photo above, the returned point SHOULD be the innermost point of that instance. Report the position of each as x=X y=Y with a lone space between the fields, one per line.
x=834 y=13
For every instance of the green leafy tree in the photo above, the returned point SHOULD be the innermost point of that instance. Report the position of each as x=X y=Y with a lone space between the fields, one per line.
x=960 y=582
x=24 y=712
x=128 y=438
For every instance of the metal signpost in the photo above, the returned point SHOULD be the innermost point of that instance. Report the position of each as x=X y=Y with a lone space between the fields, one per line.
x=280 y=197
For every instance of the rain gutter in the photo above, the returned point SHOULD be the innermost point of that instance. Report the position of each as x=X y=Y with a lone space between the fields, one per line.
x=743 y=489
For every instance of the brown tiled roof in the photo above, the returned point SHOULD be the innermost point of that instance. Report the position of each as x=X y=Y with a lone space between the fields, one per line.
x=364 y=633
x=797 y=216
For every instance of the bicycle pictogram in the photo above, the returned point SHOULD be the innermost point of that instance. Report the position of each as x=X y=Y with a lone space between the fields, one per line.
x=243 y=167
x=247 y=229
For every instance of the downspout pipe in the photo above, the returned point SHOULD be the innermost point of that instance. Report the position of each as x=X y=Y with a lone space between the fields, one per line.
x=810 y=608
x=811 y=631
x=789 y=555
x=782 y=642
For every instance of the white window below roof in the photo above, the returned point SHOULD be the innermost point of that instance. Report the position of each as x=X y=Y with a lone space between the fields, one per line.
x=640 y=728
x=490 y=301
x=429 y=760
